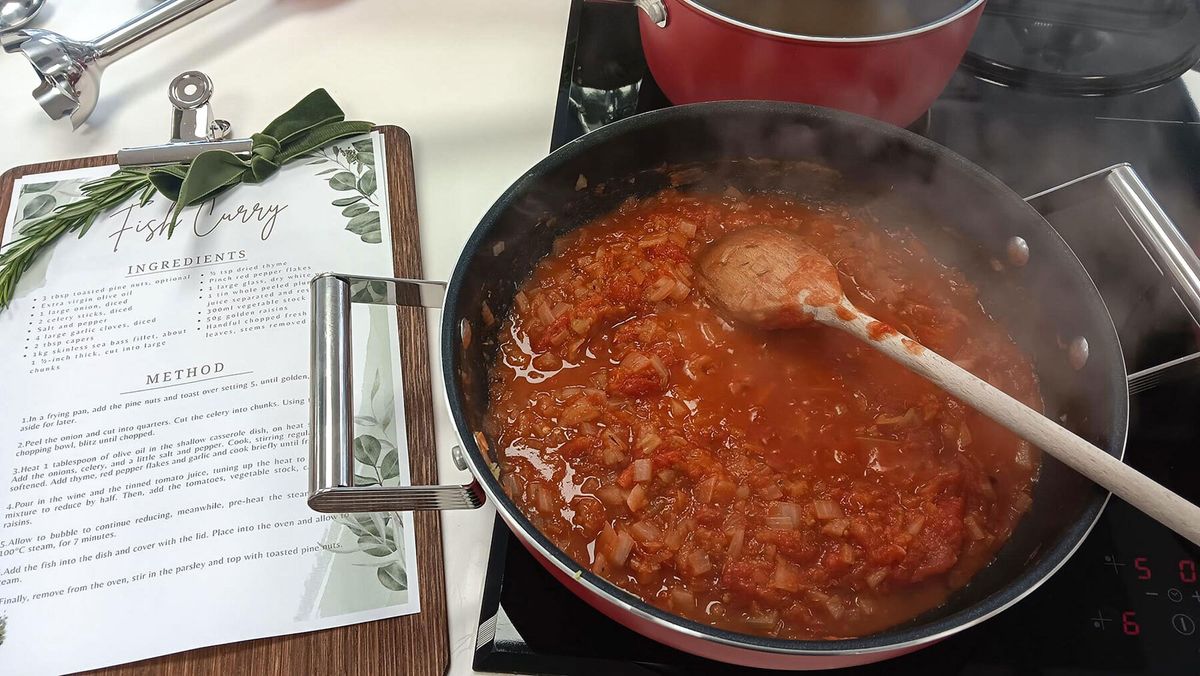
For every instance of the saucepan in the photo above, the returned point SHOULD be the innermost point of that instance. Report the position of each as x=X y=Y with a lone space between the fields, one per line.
x=1027 y=276
x=888 y=59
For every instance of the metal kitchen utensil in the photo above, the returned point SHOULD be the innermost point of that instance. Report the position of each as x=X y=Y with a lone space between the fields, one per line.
x=17 y=13
x=331 y=433
x=70 y=70
x=194 y=127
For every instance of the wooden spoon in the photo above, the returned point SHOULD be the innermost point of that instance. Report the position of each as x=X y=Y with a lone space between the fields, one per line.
x=771 y=279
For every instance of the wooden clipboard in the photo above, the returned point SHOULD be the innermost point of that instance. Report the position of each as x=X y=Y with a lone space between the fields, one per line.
x=414 y=644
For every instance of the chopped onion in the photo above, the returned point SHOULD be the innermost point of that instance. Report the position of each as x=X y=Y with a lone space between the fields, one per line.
x=646 y=532
x=827 y=509
x=643 y=469
x=783 y=515
x=485 y=311
x=635 y=361
x=830 y=603
x=666 y=476
x=964 y=435
x=914 y=527
x=765 y=620
x=522 y=301
x=637 y=497
x=680 y=291
x=663 y=374
x=679 y=533
x=1021 y=502
x=682 y=599
x=600 y=565
x=660 y=289
x=678 y=409
x=688 y=228
x=547 y=362
x=579 y=409
x=541 y=497
x=697 y=562
x=543 y=313
x=615 y=545
x=611 y=495
x=736 y=541
x=848 y=554
x=786 y=577
x=875 y=578
x=770 y=492
x=612 y=456
x=1024 y=456
x=973 y=528
x=836 y=527
x=649 y=442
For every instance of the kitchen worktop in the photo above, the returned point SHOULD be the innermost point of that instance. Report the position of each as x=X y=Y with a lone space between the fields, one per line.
x=471 y=81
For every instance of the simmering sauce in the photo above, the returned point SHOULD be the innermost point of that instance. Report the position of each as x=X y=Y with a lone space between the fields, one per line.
x=794 y=484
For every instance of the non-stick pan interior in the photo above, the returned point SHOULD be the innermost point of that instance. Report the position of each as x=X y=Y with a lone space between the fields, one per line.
x=963 y=215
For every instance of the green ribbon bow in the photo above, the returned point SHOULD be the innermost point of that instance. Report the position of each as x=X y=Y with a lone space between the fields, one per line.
x=310 y=124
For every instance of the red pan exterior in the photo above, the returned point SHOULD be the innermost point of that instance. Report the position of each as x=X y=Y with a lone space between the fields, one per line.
x=700 y=57
x=707 y=648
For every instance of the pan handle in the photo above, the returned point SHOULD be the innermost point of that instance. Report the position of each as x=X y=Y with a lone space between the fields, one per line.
x=331 y=447
x=1151 y=225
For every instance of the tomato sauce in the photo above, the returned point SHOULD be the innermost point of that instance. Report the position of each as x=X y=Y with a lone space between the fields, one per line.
x=793 y=484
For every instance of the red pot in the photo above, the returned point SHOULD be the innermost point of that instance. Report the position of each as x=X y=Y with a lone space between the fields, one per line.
x=697 y=55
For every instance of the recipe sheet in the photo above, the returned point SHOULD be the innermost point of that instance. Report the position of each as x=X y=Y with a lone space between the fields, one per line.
x=154 y=421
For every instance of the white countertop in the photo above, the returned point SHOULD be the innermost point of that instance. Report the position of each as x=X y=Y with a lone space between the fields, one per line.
x=473 y=82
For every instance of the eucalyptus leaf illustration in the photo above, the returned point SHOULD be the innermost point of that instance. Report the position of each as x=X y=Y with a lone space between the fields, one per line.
x=343 y=180
x=375 y=384
x=366 y=449
x=39 y=187
x=390 y=467
x=366 y=182
x=365 y=420
x=354 y=171
x=393 y=577
x=375 y=546
x=38 y=206
x=366 y=226
x=364 y=480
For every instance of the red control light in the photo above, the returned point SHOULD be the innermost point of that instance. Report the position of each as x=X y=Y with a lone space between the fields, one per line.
x=1129 y=623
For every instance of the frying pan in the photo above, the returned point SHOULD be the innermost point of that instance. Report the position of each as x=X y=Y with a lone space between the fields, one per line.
x=966 y=217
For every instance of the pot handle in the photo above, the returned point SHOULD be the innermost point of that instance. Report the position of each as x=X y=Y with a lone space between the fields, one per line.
x=655 y=9
x=331 y=447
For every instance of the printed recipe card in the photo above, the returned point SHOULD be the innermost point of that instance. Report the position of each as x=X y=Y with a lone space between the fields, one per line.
x=154 y=422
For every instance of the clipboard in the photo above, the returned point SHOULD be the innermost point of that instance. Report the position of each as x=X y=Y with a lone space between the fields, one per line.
x=417 y=644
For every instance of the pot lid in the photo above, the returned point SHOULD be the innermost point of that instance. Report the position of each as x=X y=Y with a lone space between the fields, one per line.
x=1085 y=48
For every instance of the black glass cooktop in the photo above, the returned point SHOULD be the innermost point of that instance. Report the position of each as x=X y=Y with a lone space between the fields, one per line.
x=1128 y=602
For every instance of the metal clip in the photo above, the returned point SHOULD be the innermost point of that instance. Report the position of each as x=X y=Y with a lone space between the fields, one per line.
x=194 y=127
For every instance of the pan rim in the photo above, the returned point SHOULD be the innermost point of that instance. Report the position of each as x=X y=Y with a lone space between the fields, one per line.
x=890 y=640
